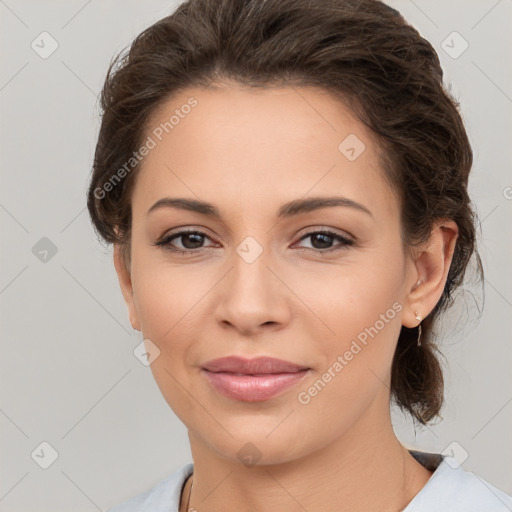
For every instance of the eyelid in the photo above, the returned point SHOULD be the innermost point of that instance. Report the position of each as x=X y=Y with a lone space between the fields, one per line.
x=322 y=229
x=344 y=241
x=308 y=230
x=174 y=234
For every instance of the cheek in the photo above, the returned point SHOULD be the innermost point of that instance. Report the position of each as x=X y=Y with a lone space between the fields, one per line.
x=356 y=359
x=356 y=324
x=168 y=302
x=344 y=299
x=166 y=296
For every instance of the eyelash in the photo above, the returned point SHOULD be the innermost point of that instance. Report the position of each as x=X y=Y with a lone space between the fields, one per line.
x=166 y=242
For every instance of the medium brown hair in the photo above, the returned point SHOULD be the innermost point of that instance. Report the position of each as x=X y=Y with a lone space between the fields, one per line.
x=362 y=51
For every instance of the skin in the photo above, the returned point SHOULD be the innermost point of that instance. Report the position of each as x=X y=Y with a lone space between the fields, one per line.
x=248 y=152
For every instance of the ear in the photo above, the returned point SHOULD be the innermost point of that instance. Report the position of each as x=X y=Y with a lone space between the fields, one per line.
x=125 y=282
x=429 y=272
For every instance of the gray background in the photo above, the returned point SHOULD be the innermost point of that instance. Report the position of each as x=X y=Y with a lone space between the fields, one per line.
x=68 y=374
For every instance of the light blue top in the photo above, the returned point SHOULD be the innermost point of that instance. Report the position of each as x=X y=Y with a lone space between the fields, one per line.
x=449 y=489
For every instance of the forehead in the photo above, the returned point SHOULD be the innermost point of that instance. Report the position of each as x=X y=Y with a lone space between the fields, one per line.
x=244 y=146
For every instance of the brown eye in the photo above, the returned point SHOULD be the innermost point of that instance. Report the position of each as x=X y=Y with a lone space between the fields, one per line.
x=191 y=241
x=322 y=241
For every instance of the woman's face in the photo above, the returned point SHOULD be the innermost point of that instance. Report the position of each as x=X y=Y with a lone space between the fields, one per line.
x=258 y=284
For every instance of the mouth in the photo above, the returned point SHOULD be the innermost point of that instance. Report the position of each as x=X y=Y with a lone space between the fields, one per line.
x=264 y=365
x=253 y=380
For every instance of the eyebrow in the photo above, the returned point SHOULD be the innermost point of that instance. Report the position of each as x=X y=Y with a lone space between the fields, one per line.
x=289 y=209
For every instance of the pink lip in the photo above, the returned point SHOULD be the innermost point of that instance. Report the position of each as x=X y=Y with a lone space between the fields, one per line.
x=253 y=380
x=236 y=364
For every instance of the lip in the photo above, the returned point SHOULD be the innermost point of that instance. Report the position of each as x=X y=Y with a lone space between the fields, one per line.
x=264 y=364
x=253 y=380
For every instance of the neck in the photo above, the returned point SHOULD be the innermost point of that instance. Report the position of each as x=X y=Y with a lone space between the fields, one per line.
x=365 y=469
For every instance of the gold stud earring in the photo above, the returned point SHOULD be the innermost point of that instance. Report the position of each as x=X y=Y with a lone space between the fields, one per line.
x=418 y=317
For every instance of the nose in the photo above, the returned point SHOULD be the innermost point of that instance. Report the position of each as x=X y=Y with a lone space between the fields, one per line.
x=252 y=295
